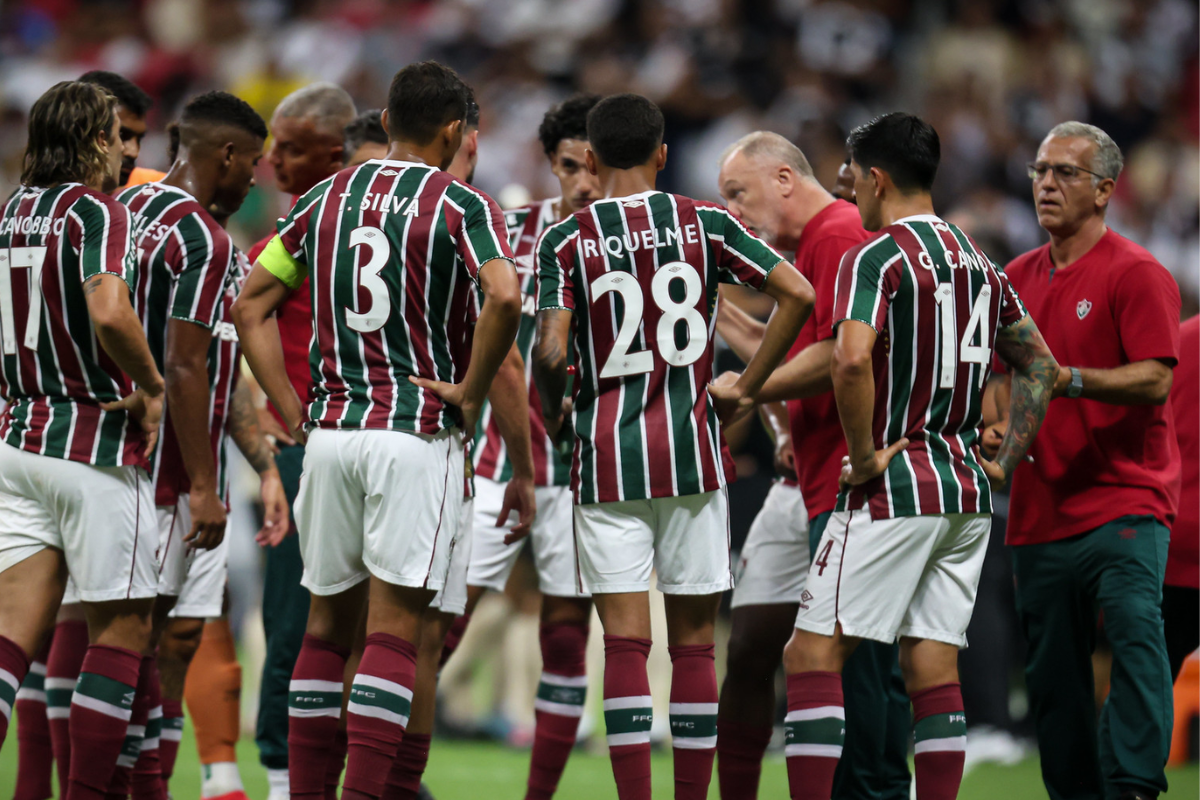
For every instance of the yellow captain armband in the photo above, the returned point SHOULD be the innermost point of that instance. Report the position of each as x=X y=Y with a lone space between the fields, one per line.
x=279 y=262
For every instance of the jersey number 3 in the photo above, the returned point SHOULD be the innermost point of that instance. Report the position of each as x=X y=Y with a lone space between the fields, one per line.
x=621 y=362
x=30 y=258
x=380 y=249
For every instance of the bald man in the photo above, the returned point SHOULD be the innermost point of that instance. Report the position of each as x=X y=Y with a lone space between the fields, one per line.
x=308 y=144
x=767 y=181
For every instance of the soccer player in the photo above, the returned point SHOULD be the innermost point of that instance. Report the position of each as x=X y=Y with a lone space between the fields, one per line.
x=379 y=508
x=73 y=497
x=186 y=263
x=1089 y=517
x=132 y=106
x=768 y=183
x=308 y=144
x=917 y=314
x=366 y=138
x=635 y=276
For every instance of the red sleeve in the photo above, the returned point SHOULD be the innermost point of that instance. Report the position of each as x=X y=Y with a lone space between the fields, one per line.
x=257 y=249
x=1146 y=303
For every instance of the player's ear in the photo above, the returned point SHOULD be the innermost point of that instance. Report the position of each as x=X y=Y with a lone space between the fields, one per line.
x=383 y=120
x=661 y=162
x=879 y=177
x=590 y=159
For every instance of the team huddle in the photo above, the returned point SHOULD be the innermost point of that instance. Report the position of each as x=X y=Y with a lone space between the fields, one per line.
x=456 y=378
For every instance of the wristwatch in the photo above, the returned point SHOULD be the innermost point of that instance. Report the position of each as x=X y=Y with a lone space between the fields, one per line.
x=1075 y=388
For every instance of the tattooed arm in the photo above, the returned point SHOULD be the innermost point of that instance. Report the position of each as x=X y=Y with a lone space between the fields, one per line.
x=249 y=438
x=1034 y=370
x=550 y=364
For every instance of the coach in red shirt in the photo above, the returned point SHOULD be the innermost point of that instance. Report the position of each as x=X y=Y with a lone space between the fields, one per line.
x=1090 y=515
x=1181 y=592
x=307 y=146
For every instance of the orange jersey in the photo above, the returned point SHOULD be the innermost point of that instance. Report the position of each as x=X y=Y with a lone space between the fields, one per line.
x=141 y=175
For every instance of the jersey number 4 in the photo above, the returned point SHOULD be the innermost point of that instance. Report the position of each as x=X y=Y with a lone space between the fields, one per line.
x=30 y=258
x=952 y=351
x=621 y=362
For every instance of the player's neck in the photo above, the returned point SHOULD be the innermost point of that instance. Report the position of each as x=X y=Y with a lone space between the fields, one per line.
x=626 y=182
x=906 y=205
x=186 y=175
x=422 y=154
x=1067 y=248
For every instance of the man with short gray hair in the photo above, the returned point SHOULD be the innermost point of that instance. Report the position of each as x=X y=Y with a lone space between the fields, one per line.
x=768 y=183
x=1092 y=506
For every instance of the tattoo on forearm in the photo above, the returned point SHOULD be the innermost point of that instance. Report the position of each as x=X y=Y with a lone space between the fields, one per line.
x=1034 y=371
x=550 y=373
x=243 y=427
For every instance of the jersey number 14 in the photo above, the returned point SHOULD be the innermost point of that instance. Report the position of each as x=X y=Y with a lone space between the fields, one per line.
x=952 y=351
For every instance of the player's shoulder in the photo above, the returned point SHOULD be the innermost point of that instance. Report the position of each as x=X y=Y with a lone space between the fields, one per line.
x=875 y=250
x=554 y=235
x=81 y=198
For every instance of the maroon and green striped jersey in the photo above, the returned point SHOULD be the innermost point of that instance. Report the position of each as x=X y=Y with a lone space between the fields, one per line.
x=551 y=465
x=184 y=264
x=936 y=301
x=392 y=250
x=641 y=275
x=53 y=372
x=224 y=355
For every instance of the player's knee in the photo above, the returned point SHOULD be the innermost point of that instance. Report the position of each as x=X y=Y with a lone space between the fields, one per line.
x=181 y=639
x=749 y=660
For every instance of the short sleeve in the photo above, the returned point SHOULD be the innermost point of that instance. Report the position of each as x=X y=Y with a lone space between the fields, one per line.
x=102 y=235
x=555 y=259
x=483 y=235
x=1012 y=310
x=1146 y=305
x=742 y=257
x=867 y=278
x=292 y=229
x=276 y=260
x=201 y=270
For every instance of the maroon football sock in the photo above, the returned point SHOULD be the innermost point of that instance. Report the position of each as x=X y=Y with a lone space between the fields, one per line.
x=101 y=708
x=940 y=733
x=559 y=705
x=147 y=780
x=168 y=743
x=740 y=749
x=67 y=649
x=377 y=714
x=693 y=718
x=816 y=728
x=14 y=666
x=337 y=762
x=314 y=707
x=628 y=714
x=35 y=757
x=404 y=779
x=453 y=637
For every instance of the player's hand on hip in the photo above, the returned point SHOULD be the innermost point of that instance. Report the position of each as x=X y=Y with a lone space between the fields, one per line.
x=785 y=456
x=995 y=473
x=145 y=409
x=858 y=474
x=276 y=524
x=518 y=496
x=276 y=434
x=208 y=519
x=729 y=401
x=989 y=441
x=454 y=394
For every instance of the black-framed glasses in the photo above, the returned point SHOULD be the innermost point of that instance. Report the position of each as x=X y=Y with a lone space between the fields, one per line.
x=1063 y=172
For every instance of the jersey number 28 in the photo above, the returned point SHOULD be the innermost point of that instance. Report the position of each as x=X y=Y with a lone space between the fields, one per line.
x=620 y=361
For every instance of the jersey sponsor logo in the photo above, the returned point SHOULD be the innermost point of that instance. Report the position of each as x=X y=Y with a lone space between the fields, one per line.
x=1083 y=307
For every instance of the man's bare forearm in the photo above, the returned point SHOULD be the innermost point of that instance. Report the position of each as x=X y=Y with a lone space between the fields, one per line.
x=1031 y=385
x=263 y=350
x=119 y=331
x=1142 y=383
x=805 y=375
x=775 y=417
x=509 y=398
x=188 y=398
x=854 y=389
x=550 y=361
x=245 y=432
x=742 y=332
x=794 y=298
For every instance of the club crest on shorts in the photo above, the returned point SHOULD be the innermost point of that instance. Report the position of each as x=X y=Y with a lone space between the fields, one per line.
x=1083 y=307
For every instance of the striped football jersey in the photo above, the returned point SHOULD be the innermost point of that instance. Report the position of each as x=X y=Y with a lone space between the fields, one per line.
x=551 y=466
x=185 y=261
x=936 y=301
x=53 y=373
x=223 y=360
x=641 y=275
x=392 y=250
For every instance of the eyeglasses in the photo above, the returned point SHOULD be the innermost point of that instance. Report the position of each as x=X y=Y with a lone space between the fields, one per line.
x=1063 y=172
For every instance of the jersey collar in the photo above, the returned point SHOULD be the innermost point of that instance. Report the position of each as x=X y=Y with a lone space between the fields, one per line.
x=919 y=218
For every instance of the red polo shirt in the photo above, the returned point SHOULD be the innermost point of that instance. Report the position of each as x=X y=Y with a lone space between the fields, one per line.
x=1183 y=561
x=1094 y=462
x=295 y=321
x=816 y=428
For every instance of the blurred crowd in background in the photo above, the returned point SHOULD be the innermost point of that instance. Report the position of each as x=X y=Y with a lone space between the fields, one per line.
x=993 y=76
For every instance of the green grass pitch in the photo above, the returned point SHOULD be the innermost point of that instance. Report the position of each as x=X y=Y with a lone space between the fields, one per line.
x=462 y=771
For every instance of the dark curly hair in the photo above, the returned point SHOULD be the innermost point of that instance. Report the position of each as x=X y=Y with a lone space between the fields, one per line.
x=128 y=93
x=66 y=127
x=225 y=109
x=567 y=120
